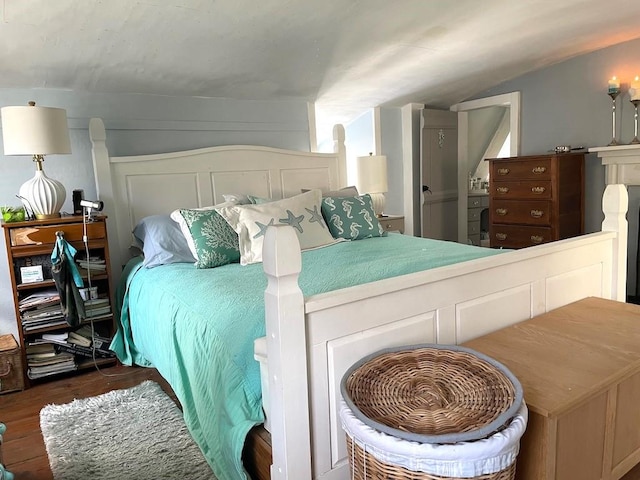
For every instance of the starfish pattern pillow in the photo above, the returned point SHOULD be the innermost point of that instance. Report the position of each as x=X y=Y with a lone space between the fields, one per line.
x=352 y=218
x=302 y=212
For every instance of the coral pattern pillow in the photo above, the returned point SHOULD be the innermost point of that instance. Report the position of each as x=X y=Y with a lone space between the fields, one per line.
x=352 y=218
x=177 y=217
x=302 y=212
x=216 y=243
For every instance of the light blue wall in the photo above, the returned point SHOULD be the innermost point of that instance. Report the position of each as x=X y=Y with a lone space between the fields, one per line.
x=141 y=124
x=564 y=104
x=391 y=142
x=359 y=141
x=567 y=104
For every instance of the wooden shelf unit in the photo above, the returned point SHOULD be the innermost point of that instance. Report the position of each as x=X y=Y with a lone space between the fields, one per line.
x=33 y=242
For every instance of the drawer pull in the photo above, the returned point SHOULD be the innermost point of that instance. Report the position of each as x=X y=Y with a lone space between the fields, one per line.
x=501 y=211
x=536 y=239
x=502 y=190
x=503 y=171
x=537 y=213
x=538 y=170
x=501 y=236
x=538 y=190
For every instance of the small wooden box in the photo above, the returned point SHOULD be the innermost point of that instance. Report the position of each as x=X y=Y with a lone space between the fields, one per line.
x=11 y=375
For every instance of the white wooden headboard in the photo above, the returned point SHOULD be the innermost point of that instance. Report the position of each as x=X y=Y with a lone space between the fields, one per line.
x=134 y=187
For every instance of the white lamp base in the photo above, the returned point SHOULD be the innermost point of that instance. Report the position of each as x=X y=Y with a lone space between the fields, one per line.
x=378 y=201
x=45 y=196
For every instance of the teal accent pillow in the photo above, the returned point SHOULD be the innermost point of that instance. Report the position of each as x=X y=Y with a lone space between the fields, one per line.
x=216 y=243
x=352 y=218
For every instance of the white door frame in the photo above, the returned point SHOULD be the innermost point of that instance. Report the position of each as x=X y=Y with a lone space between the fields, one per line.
x=511 y=100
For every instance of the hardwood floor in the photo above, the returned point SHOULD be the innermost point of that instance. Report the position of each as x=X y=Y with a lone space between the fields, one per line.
x=23 y=449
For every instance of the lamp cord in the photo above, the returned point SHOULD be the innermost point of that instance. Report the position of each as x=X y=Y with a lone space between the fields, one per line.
x=85 y=240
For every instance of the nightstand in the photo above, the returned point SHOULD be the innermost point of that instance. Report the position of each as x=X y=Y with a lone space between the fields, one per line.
x=392 y=223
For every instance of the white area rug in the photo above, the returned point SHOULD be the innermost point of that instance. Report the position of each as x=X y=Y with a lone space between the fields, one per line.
x=137 y=433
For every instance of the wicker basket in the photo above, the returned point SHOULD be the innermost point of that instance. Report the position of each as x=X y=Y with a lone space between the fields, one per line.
x=430 y=394
x=11 y=373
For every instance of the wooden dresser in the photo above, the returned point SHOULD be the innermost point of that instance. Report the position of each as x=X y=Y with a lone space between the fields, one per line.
x=535 y=199
x=579 y=367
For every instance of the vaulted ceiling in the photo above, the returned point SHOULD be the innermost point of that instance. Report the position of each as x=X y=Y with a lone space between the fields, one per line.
x=345 y=55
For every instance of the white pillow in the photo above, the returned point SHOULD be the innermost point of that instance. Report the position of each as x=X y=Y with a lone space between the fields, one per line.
x=177 y=217
x=303 y=212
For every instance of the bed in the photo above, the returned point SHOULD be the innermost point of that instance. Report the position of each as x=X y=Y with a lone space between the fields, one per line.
x=327 y=331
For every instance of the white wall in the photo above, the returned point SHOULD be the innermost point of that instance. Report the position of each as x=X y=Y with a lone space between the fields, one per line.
x=141 y=124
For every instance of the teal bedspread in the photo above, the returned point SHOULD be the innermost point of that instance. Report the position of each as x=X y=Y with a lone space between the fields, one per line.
x=197 y=327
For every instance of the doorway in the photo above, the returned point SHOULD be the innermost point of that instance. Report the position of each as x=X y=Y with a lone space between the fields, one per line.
x=466 y=120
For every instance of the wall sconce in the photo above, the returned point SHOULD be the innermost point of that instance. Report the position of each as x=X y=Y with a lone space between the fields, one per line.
x=372 y=179
x=37 y=131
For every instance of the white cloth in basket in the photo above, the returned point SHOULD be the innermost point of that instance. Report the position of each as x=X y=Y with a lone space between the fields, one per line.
x=464 y=459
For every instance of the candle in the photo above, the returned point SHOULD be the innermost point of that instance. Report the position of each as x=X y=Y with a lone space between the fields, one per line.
x=614 y=85
x=634 y=89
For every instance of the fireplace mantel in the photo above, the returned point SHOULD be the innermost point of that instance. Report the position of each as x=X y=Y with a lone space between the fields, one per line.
x=622 y=163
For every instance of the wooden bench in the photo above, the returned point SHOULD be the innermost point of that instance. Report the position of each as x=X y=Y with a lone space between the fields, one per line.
x=579 y=367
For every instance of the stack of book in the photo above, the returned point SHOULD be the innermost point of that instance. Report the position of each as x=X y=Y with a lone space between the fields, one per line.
x=93 y=265
x=79 y=342
x=44 y=360
x=98 y=307
x=41 y=310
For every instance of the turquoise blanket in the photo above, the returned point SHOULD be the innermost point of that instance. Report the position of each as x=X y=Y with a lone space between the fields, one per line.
x=197 y=327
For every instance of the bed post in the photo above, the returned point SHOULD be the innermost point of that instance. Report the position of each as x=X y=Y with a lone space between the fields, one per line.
x=285 y=328
x=340 y=148
x=615 y=203
x=104 y=188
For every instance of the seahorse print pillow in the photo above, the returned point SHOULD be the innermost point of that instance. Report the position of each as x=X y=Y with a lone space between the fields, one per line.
x=352 y=218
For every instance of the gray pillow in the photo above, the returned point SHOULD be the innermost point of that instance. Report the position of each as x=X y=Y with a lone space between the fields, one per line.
x=162 y=241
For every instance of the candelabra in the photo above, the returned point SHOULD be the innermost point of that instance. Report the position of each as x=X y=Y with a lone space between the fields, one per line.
x=613 y=93
x=635 y=102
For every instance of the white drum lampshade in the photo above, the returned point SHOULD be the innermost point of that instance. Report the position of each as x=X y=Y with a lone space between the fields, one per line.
x=372 y=179
x=37 y=131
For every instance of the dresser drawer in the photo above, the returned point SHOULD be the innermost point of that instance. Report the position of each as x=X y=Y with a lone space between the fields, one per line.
x=531 y=189
x=473 y=228
x=478 y=201
x=517 y=236
x=474 y=214
x=46 y=234
x=521 y=212
x=534 y=168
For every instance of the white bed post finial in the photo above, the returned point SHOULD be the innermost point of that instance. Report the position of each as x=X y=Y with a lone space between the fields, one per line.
x=340 y=148
x=615 y=204
x=285 y=325
x=104 y=188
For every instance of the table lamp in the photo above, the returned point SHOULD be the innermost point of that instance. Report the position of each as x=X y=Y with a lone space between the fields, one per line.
x=372 y=179
x=37 y=131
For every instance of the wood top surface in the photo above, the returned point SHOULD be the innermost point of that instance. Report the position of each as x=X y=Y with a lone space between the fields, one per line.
x=569 y=354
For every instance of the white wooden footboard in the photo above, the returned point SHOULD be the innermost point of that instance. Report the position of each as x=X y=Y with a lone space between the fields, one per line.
x=311 y=342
